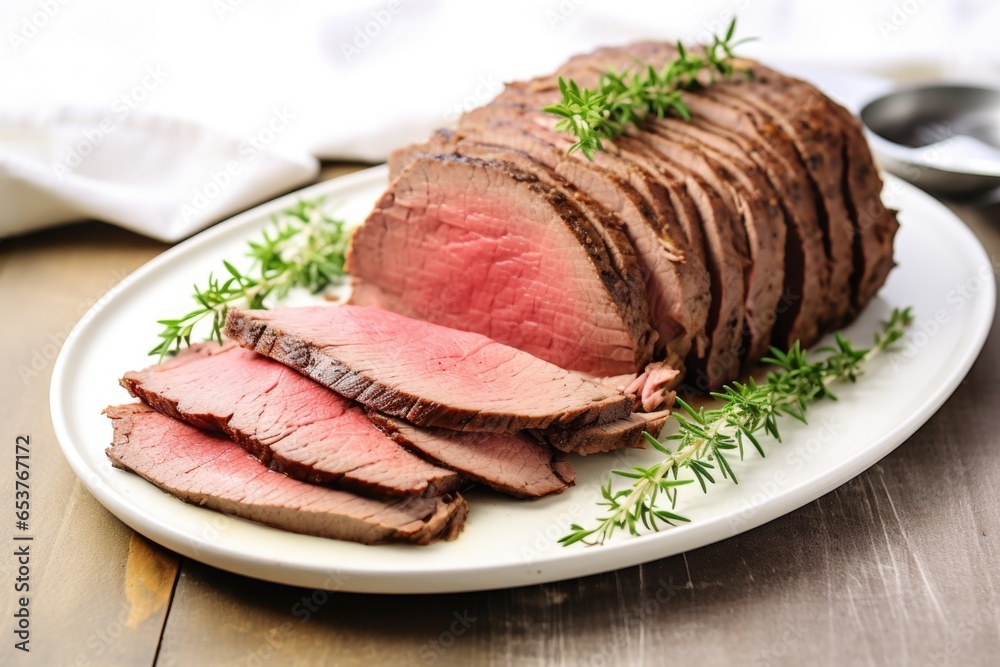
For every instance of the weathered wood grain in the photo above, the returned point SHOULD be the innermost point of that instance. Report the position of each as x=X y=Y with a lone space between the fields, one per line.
x=98 y=595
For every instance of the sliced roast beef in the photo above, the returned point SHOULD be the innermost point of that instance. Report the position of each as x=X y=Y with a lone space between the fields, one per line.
x=483 y=247
x=724 y=237
x=863 y=229
x=763 y=218
x=425 y=373
x=728 y=262
x=697 y=261
x=787 y=156
x=742 y=206
x=845 y=184
x=670 y=285
x=876 y=224
x=286 y=420
x=209 y=471
x=512 y=463
x=805 y=115
x=600 y=217
x=606 y=437
x=468 y=147
x=805 y=268
x=709 y=224
x=604 y=223
x=718 y=356
x=805 y=301
x=677 y=281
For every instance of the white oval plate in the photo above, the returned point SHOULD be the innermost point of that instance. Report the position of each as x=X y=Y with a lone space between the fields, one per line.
x=943 y=273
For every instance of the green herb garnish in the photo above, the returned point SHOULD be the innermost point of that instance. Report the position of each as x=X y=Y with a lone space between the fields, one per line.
x=706 y=438
x=623 y=99
x=304 y=248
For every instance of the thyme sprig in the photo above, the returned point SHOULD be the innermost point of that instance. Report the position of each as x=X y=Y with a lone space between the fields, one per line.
x=627 y=98
x=304 y=248
x=706 y=440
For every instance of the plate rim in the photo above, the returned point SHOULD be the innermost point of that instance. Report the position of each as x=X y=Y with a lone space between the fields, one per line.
x=581 y=562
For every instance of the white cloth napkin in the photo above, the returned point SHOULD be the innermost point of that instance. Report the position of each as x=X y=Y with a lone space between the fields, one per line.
x=167 y=117
x=161 y=177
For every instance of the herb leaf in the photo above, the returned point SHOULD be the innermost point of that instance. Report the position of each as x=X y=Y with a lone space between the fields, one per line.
x=304 y=248
x=627 y=98
x=705 y=439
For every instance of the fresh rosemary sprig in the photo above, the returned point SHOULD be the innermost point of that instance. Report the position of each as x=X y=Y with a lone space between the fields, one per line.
x=705 y=439
x=305 y=248
x=623 y=99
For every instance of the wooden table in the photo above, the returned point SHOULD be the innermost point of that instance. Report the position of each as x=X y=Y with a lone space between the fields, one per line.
x=898 y=566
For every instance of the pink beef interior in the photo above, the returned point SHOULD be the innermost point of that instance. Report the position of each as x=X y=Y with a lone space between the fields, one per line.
x=513 y=463
x=206 y=470
x=286 y=420
x=423 y=372
x=482 y=252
